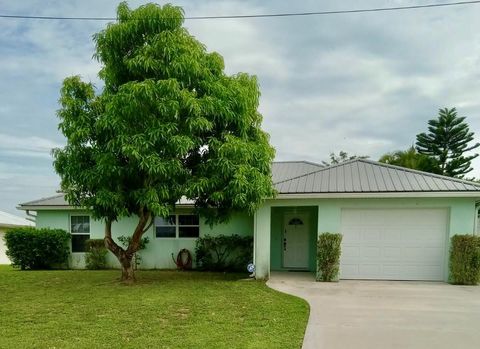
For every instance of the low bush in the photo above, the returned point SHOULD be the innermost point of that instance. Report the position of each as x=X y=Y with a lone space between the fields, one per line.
x=32 y=248
x=328 y=256
x=465 y=260
x=96 y=257
x=224 y=252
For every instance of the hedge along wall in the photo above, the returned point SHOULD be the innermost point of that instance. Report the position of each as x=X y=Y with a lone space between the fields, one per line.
x=465 y=260
x=224 y=253
x=32 y=248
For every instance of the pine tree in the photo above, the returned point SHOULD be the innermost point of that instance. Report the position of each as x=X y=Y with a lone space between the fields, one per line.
x=447 y=141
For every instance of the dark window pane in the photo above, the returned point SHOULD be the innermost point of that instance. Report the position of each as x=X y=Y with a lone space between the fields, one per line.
x=295 y=221
x=188 y=232
x=165 y=232
x=80 y=224
x=78 y=242
x=188 y=219
x=170 y=220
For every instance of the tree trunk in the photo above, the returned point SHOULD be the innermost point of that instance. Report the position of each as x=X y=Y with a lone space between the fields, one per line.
x=128 y=275
x=125 y=256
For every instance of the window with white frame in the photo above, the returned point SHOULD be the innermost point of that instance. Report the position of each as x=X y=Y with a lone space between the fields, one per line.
x=80 y=231
x=177 y=226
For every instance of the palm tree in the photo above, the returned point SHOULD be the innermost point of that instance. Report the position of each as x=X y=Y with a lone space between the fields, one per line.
x=410 y=158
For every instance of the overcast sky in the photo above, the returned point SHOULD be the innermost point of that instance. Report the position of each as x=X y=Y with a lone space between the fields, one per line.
x=363 y=83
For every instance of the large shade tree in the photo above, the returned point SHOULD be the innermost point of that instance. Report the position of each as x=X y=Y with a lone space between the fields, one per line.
x=447 y=141
x=168 y=123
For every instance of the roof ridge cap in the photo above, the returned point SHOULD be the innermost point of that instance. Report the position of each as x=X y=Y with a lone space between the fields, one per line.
x=324 y=168
x=407 y=169
x=298 y=161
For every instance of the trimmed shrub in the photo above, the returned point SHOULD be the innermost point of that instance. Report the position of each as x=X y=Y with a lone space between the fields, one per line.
x=328 y=256
x=96 y=257
x=224 y=252
x=32 y=248
x=465 y=260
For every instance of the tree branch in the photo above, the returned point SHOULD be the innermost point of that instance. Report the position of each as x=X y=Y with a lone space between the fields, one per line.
x=109 y=242
x=152 y=219
x=133 y=246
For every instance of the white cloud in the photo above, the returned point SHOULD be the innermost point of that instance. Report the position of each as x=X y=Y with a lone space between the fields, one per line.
x=31 y=146
x=363 y=83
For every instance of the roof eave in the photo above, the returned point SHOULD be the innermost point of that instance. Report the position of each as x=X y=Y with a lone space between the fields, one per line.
x=427 y=194
x=68 y=207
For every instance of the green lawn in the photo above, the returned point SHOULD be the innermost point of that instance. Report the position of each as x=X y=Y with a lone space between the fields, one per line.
x=165 y=309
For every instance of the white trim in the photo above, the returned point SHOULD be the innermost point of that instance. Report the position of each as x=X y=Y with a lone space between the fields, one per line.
x=475 y=219
x=255 y=229
x=433 y=194
x=72 y=233
x=177 y=227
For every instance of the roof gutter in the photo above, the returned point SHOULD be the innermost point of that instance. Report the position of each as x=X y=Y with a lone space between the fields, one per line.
x=433 y=194
x=77 y=208
x=30 y=216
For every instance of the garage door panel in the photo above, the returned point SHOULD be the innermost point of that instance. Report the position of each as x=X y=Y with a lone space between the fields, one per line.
x=350 y=252
x=352 y=238
x=369 y=270
x=397 y=244
x=350 y=269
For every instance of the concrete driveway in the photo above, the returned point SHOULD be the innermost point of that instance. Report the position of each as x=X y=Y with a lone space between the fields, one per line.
x=385 y=314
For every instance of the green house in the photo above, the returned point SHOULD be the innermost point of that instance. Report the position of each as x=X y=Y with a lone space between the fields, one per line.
x=396 y=222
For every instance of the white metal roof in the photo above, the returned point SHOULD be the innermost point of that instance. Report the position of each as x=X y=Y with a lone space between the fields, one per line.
x=283 y=170
x=10 y=220
x=358 y=176
x=367 y=176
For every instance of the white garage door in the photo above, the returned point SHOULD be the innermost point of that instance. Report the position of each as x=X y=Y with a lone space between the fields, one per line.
x=3 y=248
x=393 y=244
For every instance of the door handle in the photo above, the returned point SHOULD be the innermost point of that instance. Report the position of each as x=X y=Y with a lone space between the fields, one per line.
x=284 y=244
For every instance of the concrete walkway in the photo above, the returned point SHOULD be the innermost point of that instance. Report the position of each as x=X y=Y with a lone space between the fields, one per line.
x=385 y=314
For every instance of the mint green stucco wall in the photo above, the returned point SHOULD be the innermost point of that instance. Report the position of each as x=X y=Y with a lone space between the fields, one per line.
x=267 y=226
x=461 y=220
x=158 y=254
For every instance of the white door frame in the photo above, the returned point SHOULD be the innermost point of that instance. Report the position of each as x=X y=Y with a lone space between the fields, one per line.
x=304 y=216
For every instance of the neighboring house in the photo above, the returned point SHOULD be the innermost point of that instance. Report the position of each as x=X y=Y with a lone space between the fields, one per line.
x=8 y=221
x=396 y=222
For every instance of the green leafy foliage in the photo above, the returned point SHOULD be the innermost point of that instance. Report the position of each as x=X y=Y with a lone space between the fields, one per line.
x=465 y=259
x=32 y=248
x=224 y=252
x=96 y=257
x=410 y=158
x=447 y=141
x=168 y=123
x=328 y=256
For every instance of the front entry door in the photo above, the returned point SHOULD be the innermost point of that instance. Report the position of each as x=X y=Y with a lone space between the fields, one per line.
x=295 y=242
